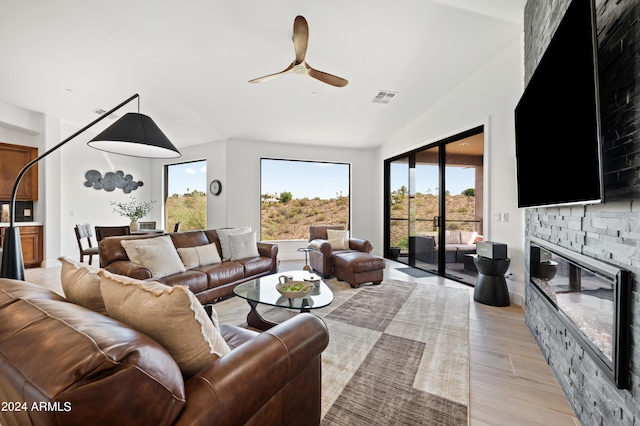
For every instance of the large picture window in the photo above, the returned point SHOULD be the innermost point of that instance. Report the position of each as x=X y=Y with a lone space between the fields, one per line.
x=185 y=196
x=295 y=194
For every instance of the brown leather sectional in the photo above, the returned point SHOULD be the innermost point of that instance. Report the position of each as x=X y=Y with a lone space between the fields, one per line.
x=209 y=282
x=63 y=364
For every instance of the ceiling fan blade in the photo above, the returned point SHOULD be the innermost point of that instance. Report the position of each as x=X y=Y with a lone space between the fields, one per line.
x=270 y=76
x=300 y=38
x=299 y=65
x=326 y=77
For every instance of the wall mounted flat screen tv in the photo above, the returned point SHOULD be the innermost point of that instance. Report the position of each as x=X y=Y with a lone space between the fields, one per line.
x=557 y=120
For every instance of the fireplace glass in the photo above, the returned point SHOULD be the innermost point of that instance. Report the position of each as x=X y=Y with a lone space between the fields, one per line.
x=591 y=297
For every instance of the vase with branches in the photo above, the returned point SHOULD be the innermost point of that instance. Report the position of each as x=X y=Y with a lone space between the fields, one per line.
x=133 y=209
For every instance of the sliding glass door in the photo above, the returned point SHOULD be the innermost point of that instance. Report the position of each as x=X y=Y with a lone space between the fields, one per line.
x=398 y=208
x=462 y=224
x=427 y=207
x=434 y=206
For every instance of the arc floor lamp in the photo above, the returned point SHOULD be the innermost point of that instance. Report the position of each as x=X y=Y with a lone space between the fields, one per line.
x=133 y=134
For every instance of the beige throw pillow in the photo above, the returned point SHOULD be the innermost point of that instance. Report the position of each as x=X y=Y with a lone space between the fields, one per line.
x=338 y=244
x=243 y=246
x=170 y=315
x=452 y=237
x=468 y=237
x=192 y=257
x=339 y=239
x=81 y=285
x=161 y=259
x=131 y=246
x=223 y=237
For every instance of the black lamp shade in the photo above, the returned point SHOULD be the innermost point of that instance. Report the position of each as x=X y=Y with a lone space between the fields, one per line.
x=136 y=135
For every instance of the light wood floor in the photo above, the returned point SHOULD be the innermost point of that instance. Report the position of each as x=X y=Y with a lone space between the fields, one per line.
x=510 y=382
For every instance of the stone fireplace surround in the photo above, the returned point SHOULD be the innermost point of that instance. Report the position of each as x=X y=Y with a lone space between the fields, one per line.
x=591 y=299
x=609 y=232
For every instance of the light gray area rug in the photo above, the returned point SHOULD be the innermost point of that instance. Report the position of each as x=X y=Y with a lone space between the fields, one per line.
x=398 y=353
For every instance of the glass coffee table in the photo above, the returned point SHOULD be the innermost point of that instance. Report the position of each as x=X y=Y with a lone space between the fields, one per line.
x=263 y=290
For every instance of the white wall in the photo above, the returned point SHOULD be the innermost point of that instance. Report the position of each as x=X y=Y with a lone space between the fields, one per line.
x=215 y=153
x=63 y=200
x=236 y=163
x=19 y=126
x=487 y=98
x=70 y=202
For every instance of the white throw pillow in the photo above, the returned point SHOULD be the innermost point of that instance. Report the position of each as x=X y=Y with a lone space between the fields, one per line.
x=468 y=237
x=161 y=259
x=131 y=246
x=243 y=246
x=170 y=315
x=339 y=239
x=337 y=233
x=192 y=257
x=338 y=244
x=81 y=285
x=223 y=236
x=452 y=237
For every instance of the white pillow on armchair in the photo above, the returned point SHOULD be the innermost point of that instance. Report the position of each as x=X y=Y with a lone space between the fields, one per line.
x=339 y=239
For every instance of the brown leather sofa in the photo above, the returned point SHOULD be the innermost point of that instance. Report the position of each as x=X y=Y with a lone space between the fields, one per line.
x=208 y=282
x=62 y=364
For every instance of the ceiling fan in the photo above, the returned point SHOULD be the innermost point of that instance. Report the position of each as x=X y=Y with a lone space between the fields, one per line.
x=299 y=65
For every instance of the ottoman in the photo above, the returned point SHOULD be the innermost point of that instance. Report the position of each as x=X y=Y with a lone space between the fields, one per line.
x=356 y=268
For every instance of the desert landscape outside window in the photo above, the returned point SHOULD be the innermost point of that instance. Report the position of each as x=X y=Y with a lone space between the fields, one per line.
x=186 y=196
x=295 y=194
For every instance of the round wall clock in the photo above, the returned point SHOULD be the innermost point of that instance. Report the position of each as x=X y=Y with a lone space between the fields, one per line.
x=215 y=187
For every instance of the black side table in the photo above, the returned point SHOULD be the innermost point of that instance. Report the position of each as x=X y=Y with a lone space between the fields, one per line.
x=491 y=285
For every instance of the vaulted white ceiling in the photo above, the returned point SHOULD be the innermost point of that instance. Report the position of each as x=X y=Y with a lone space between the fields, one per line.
x=190 y=61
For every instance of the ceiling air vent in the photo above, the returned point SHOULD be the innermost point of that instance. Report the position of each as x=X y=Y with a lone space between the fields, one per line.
x=384 y=97
x=101 y=111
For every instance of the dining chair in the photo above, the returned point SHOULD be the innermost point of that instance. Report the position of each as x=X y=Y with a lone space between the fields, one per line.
x=147 y=225
x=111 y=231
x=83 y=233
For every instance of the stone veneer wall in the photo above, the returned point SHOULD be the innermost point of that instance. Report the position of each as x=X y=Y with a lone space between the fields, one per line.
x=609 y=232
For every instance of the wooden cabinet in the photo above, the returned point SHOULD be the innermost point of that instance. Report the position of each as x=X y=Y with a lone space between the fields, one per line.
x=32 y=241
x=12 y=159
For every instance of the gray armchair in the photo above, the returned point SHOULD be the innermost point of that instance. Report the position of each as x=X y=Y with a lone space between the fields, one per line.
x=320 y=259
